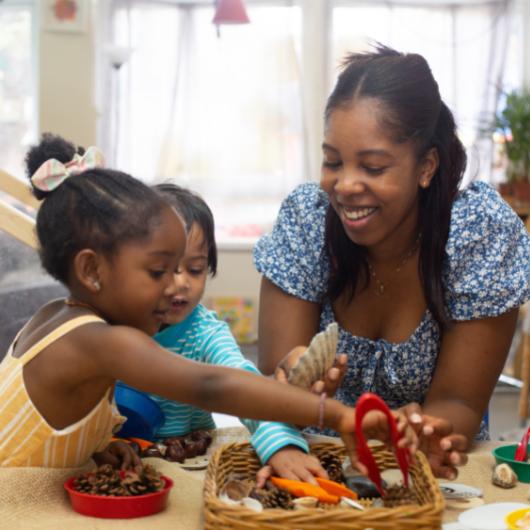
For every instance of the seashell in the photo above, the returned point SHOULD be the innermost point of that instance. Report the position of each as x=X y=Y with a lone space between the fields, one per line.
x=305 y=503
x=504 y=476
x=236 y=490
x=317 y=359
x=350 y=503
x=227 y=500
x=252 y=504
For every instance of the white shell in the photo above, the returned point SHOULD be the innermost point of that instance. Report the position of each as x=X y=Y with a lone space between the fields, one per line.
x=236 y=490
x=345 y=502
x=317 y=359
x=252 y=504
x=305 y=503
x=504 y=476
x=227 y=500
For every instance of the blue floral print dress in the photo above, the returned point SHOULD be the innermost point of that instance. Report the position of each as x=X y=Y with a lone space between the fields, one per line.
x=486 y=273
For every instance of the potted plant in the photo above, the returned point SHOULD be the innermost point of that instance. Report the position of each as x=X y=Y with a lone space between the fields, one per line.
x=513 y=122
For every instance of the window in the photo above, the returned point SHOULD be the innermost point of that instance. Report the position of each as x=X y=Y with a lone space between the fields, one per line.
x=465 y=45
x=17 y=71
x=221 y=115
x=239 y=118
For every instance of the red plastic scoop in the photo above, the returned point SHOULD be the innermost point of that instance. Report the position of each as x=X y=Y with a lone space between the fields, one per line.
x=365 y=404
x=521 y=453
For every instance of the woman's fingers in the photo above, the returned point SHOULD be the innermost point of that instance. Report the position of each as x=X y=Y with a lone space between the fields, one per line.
x=280 y=375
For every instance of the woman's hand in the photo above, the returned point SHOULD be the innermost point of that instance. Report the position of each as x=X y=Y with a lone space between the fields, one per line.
x=444 y=449
x=119 y=455
x=375 y=427
x=292 y=463
x=332 y=379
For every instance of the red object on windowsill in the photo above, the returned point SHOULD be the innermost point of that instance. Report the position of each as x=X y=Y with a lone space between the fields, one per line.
x=230 y=12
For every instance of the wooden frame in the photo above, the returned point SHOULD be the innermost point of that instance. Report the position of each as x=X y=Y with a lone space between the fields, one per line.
x=12 y=221
x=18 y=224
x=17 y=189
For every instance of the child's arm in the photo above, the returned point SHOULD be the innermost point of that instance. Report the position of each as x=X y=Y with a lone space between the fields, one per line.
x=219 y=348
x=280 y=446
x=127 y=354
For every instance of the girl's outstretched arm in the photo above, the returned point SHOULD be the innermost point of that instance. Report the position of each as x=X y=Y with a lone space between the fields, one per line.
x=136 y=359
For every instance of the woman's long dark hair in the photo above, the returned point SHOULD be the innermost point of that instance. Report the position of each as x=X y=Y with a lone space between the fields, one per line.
x=413 y=111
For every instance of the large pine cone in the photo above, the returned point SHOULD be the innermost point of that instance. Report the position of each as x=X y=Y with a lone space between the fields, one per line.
x=333 y=466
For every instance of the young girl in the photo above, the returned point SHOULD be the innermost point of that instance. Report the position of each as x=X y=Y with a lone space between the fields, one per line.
x=115 y=244
x=197 y=334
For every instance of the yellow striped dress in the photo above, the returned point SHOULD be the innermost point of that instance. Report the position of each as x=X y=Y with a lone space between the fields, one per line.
x=26 y=439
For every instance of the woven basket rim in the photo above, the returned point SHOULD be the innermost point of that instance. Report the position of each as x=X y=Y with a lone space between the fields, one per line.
x=218 y=514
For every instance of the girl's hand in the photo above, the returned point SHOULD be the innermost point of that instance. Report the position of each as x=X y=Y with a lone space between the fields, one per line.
x=444 y=449
x=375 y=427
x=332 y=379
x=119 y=455
x=292 y=463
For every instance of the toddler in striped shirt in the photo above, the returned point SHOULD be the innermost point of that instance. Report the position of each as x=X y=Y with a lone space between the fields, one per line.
x=196 y=333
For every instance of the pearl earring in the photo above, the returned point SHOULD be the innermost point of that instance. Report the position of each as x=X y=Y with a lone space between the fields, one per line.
x=97 y=285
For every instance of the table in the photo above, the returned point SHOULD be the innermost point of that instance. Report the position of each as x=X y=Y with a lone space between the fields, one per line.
x=33 y=498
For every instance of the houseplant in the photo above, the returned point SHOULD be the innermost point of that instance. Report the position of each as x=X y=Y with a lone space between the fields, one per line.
x=513 y=122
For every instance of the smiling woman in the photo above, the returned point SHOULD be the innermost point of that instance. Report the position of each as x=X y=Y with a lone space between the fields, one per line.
x=424 y=279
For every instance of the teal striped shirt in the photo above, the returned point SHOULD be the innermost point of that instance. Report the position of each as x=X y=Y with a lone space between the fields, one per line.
x=203 y=337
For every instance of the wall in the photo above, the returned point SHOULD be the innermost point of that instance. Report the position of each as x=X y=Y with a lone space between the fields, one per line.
x=66 y=85
x=236 y=276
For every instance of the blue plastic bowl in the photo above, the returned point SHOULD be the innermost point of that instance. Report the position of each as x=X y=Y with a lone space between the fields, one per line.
x=144 y=416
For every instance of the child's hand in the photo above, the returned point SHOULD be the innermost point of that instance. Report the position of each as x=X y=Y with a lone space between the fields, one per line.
x=445 y=450
x=375 y=427
x=292 y=463
x=331 y=381
x=119 y=455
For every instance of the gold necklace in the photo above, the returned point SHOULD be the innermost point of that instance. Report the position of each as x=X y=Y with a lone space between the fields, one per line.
x=70 y=302
x=380 y=287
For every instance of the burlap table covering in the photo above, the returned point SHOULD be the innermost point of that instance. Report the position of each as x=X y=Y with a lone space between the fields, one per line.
x=478 y=473
x=34 y=498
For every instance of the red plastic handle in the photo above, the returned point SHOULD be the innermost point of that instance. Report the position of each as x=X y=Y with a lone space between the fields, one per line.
x=365 y=404
x=521 y=453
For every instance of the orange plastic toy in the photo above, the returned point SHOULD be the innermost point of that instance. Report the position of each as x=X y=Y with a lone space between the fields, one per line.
x=327 y=491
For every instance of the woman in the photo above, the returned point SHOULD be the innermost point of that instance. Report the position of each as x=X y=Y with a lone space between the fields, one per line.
x=424 y=280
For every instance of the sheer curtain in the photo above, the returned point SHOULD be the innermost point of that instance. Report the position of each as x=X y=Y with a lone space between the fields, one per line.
x=464 y=42
x=18 y=58
x=221 y=115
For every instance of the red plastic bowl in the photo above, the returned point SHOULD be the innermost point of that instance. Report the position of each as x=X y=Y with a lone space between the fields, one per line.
x=118 y=507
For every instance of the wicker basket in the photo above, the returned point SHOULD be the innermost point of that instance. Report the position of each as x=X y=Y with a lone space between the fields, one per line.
x=241 y=460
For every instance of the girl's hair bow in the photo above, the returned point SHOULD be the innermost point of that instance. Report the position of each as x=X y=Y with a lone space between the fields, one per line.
x=52 y=173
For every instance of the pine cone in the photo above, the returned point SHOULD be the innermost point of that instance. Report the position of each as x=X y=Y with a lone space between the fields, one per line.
x=109 y=481
x=273 y=497
x=397 y=495
x=333 y=466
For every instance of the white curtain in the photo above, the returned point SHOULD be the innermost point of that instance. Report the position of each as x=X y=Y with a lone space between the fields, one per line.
x=465 y=43
x=221 y=115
